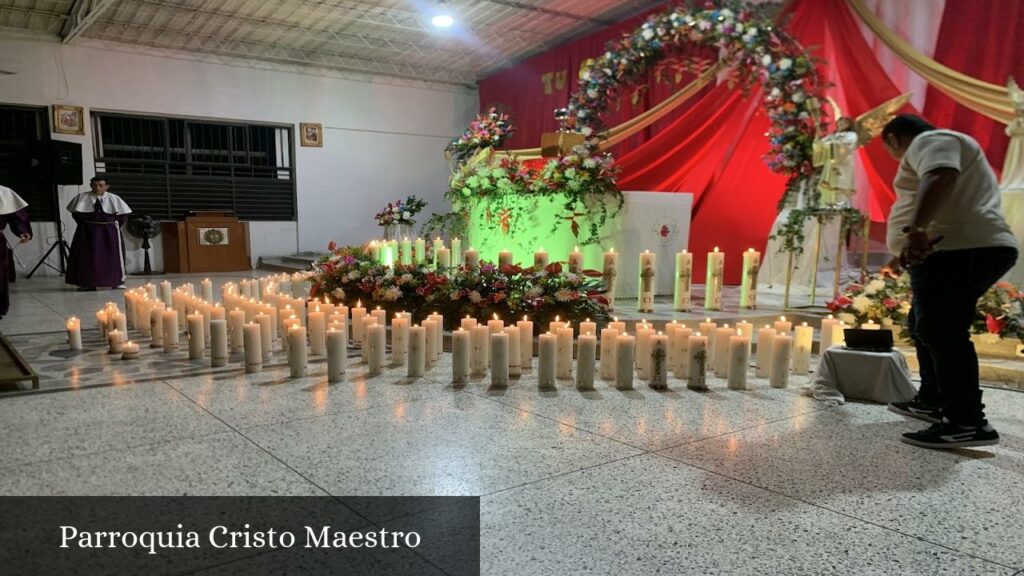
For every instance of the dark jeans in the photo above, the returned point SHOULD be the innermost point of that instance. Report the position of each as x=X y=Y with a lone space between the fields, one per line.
x=946 y=288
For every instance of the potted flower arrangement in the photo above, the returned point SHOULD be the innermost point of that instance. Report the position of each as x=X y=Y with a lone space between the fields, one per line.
x=397 y=217
x=488 y=130
x=880 y=298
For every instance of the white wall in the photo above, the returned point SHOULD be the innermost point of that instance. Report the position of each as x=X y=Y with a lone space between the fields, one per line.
x=381 y=141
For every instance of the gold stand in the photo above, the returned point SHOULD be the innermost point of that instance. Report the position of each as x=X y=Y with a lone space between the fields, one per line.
x=839 y=257
x=789 y=282
x=866 y=241
x=817 y=256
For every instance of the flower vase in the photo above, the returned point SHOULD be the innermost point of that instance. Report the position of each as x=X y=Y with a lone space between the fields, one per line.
x=399 y=231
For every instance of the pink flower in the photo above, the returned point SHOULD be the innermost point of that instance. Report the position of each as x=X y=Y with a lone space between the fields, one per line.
x=890 y=303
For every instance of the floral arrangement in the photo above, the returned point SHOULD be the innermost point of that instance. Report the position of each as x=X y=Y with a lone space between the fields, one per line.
x=1000 y=311
x=488 y=130
x=349 y=275
x=400 y=212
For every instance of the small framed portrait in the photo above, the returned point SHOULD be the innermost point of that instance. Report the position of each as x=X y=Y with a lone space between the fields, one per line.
x=68 y=119
x=311 y=134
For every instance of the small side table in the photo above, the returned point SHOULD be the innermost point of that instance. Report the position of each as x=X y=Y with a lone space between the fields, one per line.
x=881 y=377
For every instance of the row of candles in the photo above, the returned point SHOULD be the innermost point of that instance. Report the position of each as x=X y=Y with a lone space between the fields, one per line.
x=407 y=251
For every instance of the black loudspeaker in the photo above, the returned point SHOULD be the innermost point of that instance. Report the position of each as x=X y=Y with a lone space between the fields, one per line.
x=66 y=162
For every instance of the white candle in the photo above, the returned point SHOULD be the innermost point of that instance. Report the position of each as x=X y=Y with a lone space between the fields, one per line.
x=170 y=326
x=575 y=261
x=707 y=328
x=505 y=258
x=588 y=327
x=317 y=332
x=431 y=325
x=526 y=343
x=499 y=360
x=548 y=350
x=495 y=325
x=460 y=356
x=101 y=322
x=457 y=252
x=468 y=323
x=444 y=259
x=358 y=313
x=839 y=334
x=420 y=251
x=405 y=252
x=713 y=284
x=739 y=360
x=129 y=351
x=827 y=333
x=721 y=353
x=374 y=250
x=684 y=281
x=297 y=352
x=555 y=324
x=377 y=346
x=644 y=333
x=802 y=342
x=337 y=354
x=114 y=339
x=765 y=336
x=748 y=286
x=870 y=325
x=625 y=347
x=648 y=274
x=540 y=259
x=609 y=274
x=479 y=354
x=782 y=346
x=615 y=324
x=74 y=326
x=121 y=322
x=472 y=259
x=266 y=336
x=253 y=343
x=418 y=351
x=748 y=329
x=437 y=246
x=659 y=361
x=236 y=321
x=679 y=342
x=586 y=360
x=400 y=340
x=196 y=337
x=563 y=364
x=288 y=324
x=218 y=343
x=364 y=345
x=156 y=325
x=609 y=337
x=698 y=363
x=515 y=358
x=165 y=293
x=783 y=326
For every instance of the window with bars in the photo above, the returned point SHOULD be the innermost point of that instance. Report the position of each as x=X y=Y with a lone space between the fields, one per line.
x=166 y=167
x=24 y=147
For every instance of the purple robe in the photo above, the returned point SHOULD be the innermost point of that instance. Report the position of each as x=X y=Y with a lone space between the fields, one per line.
x=97 y=250
x=19 y=224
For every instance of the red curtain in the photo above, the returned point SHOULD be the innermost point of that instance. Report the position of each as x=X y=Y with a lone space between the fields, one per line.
x=983 y=40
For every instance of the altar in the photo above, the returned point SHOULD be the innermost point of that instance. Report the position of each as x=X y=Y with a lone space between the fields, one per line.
x=654 y=221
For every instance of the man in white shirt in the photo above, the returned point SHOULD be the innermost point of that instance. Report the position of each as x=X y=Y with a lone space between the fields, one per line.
x=947 y=228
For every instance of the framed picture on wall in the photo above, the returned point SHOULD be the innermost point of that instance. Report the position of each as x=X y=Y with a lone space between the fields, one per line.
x=311 y=134
x=68 y=119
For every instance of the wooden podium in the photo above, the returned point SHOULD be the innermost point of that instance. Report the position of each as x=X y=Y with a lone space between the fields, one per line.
x=206 y=242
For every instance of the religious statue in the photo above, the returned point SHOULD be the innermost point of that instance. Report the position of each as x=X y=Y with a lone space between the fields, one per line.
x=1016 y=127
x=834 y=155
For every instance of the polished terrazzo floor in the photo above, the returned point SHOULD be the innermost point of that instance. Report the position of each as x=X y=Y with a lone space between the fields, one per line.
x=763 y=481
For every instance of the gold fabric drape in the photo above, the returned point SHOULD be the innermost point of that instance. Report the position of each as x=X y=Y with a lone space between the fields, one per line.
x=630 y=127
x=984 y=98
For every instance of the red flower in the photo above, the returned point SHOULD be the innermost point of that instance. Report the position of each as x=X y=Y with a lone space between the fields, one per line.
x=994 y=325
x=511 y=269
x=855 y=288
x=554 y=268
x=890 y=303
x=314 y=290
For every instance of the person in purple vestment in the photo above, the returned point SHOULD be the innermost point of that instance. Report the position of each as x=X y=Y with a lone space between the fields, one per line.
x=97 y=250
x=13 y=214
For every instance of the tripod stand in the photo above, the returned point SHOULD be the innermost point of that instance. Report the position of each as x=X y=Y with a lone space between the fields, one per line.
x=59 y=244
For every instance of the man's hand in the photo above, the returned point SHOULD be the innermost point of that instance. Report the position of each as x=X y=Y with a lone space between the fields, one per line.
x=919 y=246
x=25 y=238
x=892 y=269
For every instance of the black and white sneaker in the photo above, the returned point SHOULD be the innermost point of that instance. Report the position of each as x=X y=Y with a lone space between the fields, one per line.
x=945 y=435
x=916 y=409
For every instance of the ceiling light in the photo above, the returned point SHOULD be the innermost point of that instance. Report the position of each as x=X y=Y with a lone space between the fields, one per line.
x=443 y=21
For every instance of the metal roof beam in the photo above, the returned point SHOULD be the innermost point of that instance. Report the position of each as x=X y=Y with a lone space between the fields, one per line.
x=83 y=14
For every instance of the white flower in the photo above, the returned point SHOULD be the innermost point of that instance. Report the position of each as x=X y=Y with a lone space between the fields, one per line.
x=588 y=131
x=535 y=292
x=406 y=215
x=751 y=32
x=564 y=295
x=785 y=64
x=592 y=93
x=798 y=97
x=874 y=286
x=647 y=34
x=775 y=93
x=766 y=59
x=848 y=319
x=475 y=297
x=590 y=163
x=338 y=293
x=392 y=293
x=861 y=303
x=905 y=308
x=726 y=13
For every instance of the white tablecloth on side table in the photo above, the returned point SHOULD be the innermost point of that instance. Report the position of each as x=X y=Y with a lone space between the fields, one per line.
x=873 y=376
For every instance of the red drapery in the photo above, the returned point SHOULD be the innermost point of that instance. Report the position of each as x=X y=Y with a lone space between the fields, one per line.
x=982 y=40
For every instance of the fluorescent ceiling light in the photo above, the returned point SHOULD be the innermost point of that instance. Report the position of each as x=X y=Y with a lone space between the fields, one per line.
x=443 y=21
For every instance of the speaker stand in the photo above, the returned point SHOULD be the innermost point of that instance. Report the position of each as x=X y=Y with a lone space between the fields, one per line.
x=147 y=269
x=63 y=251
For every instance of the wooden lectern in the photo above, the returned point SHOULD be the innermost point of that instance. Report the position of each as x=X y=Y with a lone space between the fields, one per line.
x=206 y=242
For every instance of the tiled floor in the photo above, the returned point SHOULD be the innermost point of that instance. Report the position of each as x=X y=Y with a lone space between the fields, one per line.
x=763 y=481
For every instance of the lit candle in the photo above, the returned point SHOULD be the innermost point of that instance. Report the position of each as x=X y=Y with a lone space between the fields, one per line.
x=266 y=336
x=297 y=352
x=555 y=324
x=659 y=361
x=236 y=320
x=739 y=360
x=114 y=339
x=563 y=363
x=457 y=252
x=337 y=354
x=548 y=350
x=479 y=354
x=575 y=261
x=129 y=351
x=437 y=247
x=783 y=326
x=165 y=293
x=170 y=326
x=400 y=340
x=218 y=343
x=588 y=326
x=526 y=343
x=364 y=348
x=196 y=337
x=253 y=343
x=697 y=369
x=713 y=284
x=748 y=329
x=472 y=259
x=782 y=346
x=317 y=332
x=515 y=358
x=418 y=351
x=430 y=325
x=684 y=281
x=499 y=360
x=870 y=325
x=748 y=287
x=505 y=258
x=644 y=333
x=625 y=347
x=540 y=259
x=586 y=360
x=679 y=342
x=377 y=346
x=358 y=313
x=648 y=273
x=608 y=346
x=615 y=324
x=802 y=342
x=721 y=350
x=374 y=250
x=495 y=325
x=443 y=259
x=707 y=327
x=460 y=356
x=468 y=323
x=101 y=322
x=609 y=274
x=405 y=252
x=839 y=334
x=74 y=326
x=765 y=336
x=420 y=251
x=121 y=322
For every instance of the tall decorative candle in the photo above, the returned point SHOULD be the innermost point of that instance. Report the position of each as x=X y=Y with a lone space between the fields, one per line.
x=679 y=341
x=721 y=353
x=499 y=360
x=460 y=356
x=337 y=354
x=644 y=333
x=505 y=258
x=748 y=287
x=419 y=254
x=121 y=321
x=377 y=345
x=196 y=339
x=802 y=342
x=648 y=274
x=115 y=338
x=297 y=352
x=443 y=259
x=588 y=326
x=575 y=262
x=526 y=343
x=472 y=259
x=253 y=344
x=609 y=337
x=713 y=283
x=365 y=347
x=170 y=326
x=236 y=321
x=218 y=343
x=358 y=312
x=165 y=293
x=418 y=351
x=659 y=361
x=317 y=332
x=457 y=256
x=430 y=325
x=547 y=351
x=438 y=245
x=495 y=325
x=782 y=346
x=765 y=336
x=739 y=360
x=707 y=328
x=748 y=329
x=839 y=334
x=783 y=326
x=399 y=340
x=266 y=336
x=827 y=332
x=540 y=259
x=479 y=354
x=405 y=251
x=586 y=360
x=684 y=281
x=625 y=347
x=468 y=323
x=515 y=358
x=563 y=364
x=698 y=364
x=609 y=274
x=74 y=326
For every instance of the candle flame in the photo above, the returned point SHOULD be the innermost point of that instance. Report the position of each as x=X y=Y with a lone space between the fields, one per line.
x=751 y=250
x=739 y=332
x=707 y=320
x=557 y=318
x=577 y=249
x=525 y=318
x=359 y=304
x=804 y=324
x=716 y=248
x=782 y=318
